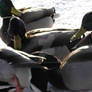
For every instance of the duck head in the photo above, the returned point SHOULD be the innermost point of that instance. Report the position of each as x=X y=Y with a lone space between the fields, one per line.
x=16 y=31
x=7 y=8
x=85 y=26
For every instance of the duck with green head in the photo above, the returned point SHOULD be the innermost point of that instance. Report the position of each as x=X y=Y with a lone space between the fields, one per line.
x=5 y=13
x=36 y=17
x=85 y=26
x=76 y=66
x=7 y=8
x=53 y=41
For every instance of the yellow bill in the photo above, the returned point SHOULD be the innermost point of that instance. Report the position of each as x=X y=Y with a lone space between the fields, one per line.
x=15 y=12
x=78 y=34
x=17 y=42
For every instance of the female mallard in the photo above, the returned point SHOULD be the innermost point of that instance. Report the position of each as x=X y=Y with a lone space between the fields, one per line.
x=76 y=69
x=33 y=17
x=85 y=26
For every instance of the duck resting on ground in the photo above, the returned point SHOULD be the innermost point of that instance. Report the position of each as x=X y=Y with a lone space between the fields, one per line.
x=76 y=69
x=77 y=65
x=33 y=17
x=11 y=65
x=21 y=60
x=45 y=40
x=36 y=40
x=35 y=22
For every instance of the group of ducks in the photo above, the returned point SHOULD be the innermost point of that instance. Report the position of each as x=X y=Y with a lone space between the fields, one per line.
x=34 y=54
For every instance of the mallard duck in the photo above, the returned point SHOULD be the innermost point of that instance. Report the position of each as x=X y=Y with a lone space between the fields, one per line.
x=43 y=38
x=85 y=26
x=18 y=60
x=40 y=81
x=11 y=65
x=39 y=39
x=13 y=57
x=33 y=17
x=76 y=69
x=6 y=7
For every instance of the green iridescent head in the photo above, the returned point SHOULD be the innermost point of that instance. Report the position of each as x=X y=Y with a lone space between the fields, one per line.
x=4 y=9
x=86 y=25
x=7 y=8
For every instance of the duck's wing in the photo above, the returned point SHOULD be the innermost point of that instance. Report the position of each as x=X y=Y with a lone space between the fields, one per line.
x=12 y=55
x=17 y=59
x=43 y=30
x=38 y=59
x=49 y=39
